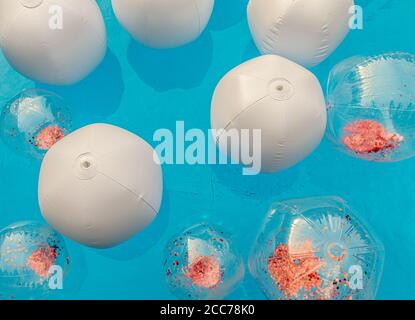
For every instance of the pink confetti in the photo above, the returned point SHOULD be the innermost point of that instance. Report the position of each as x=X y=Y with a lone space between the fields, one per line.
x=48 y=136
x=368 y=136
x=204 y=271
x=41 y=260
x=292 y=273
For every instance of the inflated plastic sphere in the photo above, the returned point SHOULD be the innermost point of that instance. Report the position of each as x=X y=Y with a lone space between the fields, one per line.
x=34 y=121
x=52 y=41
x=277 y=96
x=371 y=106
x=34 y=262
x=305 y=31
x=100 y=185
x=163 y=23
x=316 y=248
x=202 y=263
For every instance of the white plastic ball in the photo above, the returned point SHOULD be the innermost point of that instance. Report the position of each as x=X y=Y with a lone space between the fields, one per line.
x=277 y=96
x=100 y=185
x=305 y=31
x=164 y=23
x=57 y=42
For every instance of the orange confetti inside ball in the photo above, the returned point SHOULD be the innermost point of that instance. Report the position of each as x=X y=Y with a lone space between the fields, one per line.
x=41 y=260
x=205 y=272
x=285 y=270
x=48 y=136
x=368 y=136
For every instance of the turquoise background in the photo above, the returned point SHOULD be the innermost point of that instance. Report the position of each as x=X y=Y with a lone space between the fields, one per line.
x=142 y=90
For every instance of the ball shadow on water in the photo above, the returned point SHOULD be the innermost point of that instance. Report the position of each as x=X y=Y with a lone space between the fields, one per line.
x=78 y=271
x=262 y=186
x=143 y=241
x=251 y=51
x=97 y=96
x=227 y=13
x=184 y=67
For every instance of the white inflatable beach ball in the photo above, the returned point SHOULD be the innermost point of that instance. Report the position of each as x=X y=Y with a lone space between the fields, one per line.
x=57 y=42
x=164 y=23
x=100 y=185
x=305 y=31
x=276 y=96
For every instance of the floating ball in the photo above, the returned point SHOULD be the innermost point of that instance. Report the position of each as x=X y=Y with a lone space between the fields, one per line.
x=33 y=262
x=278 y=97
x=163 y=23
x=371 y=106
x=55 y=41
x=100 y=185
x=305 y=31
x=201 y=263
x=34 y=121
x=316 y=248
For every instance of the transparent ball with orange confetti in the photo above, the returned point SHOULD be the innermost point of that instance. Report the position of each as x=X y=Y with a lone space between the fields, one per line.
x=316 y=249
x=33 y=262
x=371 y=106
x=33 y=121
x=202 y=263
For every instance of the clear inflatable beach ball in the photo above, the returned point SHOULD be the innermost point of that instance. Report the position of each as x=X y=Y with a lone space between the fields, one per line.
x=371 y=106
x=164 y=23
x=201 y=263
x=57 y=42
x=316 y=249
x=34 y=262
x=33 y=121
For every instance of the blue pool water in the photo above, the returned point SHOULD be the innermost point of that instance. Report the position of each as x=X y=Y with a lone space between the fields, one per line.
x=142 y=90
